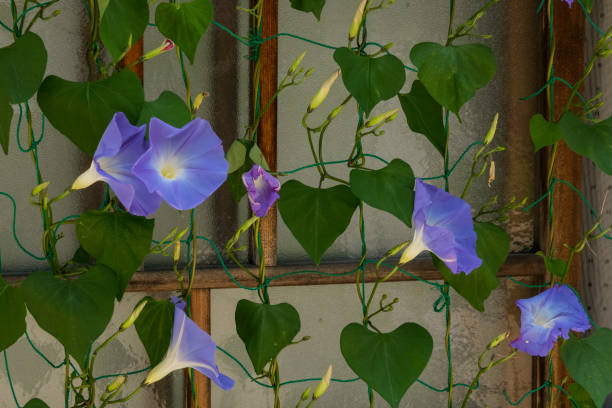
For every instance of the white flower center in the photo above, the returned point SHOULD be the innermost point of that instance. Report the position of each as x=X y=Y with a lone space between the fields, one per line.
x=169 y=169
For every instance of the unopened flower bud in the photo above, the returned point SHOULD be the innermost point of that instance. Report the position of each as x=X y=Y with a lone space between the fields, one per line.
x=296 y=63
x=357 y=20
x=40 y=188
x=497 y=341
x=387 y=47
x=335 y=112
x=489 y=137
x=132 y=318
x=198 y=100
x=383 y=117
x=119 y=381
x=177 y=251
x=305 y=394
x=167 y=45
x=323 y=385
x=322 y=93
x=305 y=338
x=309 y=73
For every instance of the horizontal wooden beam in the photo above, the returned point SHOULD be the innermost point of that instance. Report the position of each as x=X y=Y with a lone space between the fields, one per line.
x=218 y=278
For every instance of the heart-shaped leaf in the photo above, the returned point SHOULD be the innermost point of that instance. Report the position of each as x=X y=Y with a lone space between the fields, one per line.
x=390 y=189
x=543 y=133
x=154 y=328
x=82 y=110
x=265 y=329
x=316 y=216
x=589 y=363
x=424 y=115
x=74 y=311
x=581 y=396
x=236 y=155
x=314 y=6
x=556 y=267
x=454 y=73
x=370 y=80
x=22 y=67
x=387 y=362
x=592 y=141
x=169 y=107
x=12 y=315
x=36 y=403
x=184 y=23
x=123 y=21
x=117 y=240
x=6 y=116
x=493 y=247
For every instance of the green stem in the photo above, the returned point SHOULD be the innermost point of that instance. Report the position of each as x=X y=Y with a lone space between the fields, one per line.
x=448 y=347
x=67 y=376
x=194 y=254
x=129 y=397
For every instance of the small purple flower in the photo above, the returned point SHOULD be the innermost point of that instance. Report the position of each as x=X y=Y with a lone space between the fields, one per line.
x=184 y=166
x=547 y=316
x=569 y=2
x=262 y=189
x=443 y=225
x=121 y=145
x=191 y=347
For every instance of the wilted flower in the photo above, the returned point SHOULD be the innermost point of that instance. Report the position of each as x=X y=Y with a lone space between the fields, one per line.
x=443 y=225
x=190 y=347
x=184 y=166
x=121 y=145
x=262 y=189
x=547 y=316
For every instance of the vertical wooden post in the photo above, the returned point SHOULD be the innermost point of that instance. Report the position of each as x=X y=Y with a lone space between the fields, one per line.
x=132 y=56
x=200 y=314
x=267 y=129
x=569 y=32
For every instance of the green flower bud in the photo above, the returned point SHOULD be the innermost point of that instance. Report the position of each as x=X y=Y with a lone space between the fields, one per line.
x=177 y=252
x=357 y=20
x=322 y=93
x=305 y=394
x=137 y=310
x=296 y=64
x=323 y=385
x=119 y=381
x=383 y=117
x=165 y=46
x=498 y=340
x=335 y=112
x=40 y=188
x=489 y=137
x=309 y=73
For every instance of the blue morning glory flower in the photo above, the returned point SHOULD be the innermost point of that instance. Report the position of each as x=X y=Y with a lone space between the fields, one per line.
x=121 y=145
x=442 y=225
x=184 y=166
x=548 y=316
x=262 y=189
x=569 y=2
x=190 y=347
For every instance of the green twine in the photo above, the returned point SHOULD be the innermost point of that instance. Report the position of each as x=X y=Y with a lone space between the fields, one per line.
x=14 y=227
x=8 y=374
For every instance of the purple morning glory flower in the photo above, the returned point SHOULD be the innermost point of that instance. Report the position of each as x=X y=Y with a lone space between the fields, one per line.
x=547 y=316
x=569 y=2
x=121 y=145
x=262 y=189
x=443 y=225
x=184 y=166
x=191 y=347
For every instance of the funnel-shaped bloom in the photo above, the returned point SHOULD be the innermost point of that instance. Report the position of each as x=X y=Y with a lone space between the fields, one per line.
x=121 y=145
x=547 y=316
x=262 y=189
x=190 y=347
x=443 y=225
x=184 y=166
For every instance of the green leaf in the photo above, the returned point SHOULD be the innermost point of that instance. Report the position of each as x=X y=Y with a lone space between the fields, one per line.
x=184 y=23
x=6 y=116
x=581 y=396
x=22 y=67
x=370 y=80
x=123 y=21
x=556 y=267
x=236 y=155
x=588 y=4
x=257 y=157
x=36 y=403
x=589 y=362
x=453 y=74
x=74 y=311
x=543 y=133
x=168 y=107
x=265 y=329
x=316 y=216
x=424 y=115
x=390 y=189
x=154 y=327
x=387 y=362
x=82 y=110
x=592 y=141
x=12 y=315
x=117 y=240
x=314 y=6
x=493 y=247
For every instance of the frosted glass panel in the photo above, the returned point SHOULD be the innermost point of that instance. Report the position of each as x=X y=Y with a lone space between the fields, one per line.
x=405 y=24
